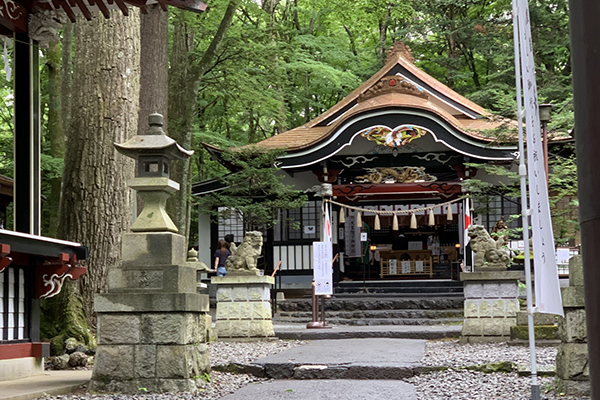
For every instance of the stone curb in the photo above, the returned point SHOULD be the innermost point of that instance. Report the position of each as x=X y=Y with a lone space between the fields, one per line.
x=311 y=371
x=324 y=334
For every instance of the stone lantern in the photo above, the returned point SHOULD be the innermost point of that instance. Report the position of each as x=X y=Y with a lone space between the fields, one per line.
x=153 y=153
x=152 y=323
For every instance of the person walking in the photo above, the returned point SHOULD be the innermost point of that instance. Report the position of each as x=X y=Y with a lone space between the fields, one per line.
x=220 y=257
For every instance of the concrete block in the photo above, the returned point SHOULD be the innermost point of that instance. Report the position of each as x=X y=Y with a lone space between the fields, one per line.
x=572 y=361
x=261 y=310
x=244 y=280
x=153 y=248
x=171 y=362
x=512 y=307
x=224 y=294
x=471 y=308
x=472 y=327
x=18 y=368
x=499 y=308
x=150 y=302
x=508 y=290
x=240 y=293
x=113 y=361
x=118 y=328
x=573 y=327
x=538 y=318
x=576 y=271
x=223 y=328
x=473 y=290
x=246 y=310
x=261 y=328
x=491 y=290
x=259 y=293
x=542 y=332
x=497 y=326
x=164 y=328
x=145 y=361
x=485 y=308
x=491 y=275
x=573 y=297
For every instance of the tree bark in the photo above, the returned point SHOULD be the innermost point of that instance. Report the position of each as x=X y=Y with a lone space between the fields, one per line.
x=154 y=57
x=96 y=203
x=184 y=81
x=55 y=131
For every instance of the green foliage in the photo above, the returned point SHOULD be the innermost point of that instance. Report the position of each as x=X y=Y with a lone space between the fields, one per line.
x=255 y=190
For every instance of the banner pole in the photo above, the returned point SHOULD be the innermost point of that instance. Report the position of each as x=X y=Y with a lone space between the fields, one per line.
x=535 y=388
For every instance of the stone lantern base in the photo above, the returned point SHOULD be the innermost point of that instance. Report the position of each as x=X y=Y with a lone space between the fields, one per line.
x=244 y=306
x=491 y=305
x=151 y=323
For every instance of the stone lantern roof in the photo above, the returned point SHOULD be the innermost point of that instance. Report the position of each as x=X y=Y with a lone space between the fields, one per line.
x=154 y=142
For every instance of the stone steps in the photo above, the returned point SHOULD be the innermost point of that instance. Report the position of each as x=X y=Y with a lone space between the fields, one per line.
x=373 y=321
x=379 y=314
x=369 y=311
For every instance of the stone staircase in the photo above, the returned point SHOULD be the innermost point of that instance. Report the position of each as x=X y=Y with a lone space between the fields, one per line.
x=361 y=310
x=405 y=288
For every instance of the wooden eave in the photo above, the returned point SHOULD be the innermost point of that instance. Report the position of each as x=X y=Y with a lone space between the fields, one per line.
x=14 y=14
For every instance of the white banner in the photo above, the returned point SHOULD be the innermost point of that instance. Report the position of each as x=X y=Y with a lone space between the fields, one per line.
x=323 y=273
x=547 y=288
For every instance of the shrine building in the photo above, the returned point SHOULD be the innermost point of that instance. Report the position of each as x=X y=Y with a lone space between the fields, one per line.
x=401 y=143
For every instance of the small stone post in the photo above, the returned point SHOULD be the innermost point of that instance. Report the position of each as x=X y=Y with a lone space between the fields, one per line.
x=572 y=369
x=151 y=323
x=244 y=297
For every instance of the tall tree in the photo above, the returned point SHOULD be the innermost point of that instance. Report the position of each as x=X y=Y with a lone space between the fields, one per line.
x=184 y=79
x=96 y=203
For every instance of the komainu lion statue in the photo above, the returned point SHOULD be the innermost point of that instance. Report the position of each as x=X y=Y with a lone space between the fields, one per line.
x=489 y=253
x=243 y=259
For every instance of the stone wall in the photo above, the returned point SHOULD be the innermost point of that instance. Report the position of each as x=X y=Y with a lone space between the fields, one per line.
x=491 y=305
x=572 y=367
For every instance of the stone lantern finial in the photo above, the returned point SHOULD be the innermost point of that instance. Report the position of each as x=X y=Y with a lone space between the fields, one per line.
x=153 y=152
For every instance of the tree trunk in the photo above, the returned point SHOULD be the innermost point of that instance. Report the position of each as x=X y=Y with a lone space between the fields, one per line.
x=154 y=76
x=96 y=203
x=55 y=131
x=184 y=82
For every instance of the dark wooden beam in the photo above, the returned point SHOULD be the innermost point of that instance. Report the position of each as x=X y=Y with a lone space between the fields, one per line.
x=13 y=16
x=585 y=58
x=27 y=137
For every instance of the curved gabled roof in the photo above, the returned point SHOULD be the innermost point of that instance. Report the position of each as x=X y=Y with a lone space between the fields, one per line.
x=398 y=88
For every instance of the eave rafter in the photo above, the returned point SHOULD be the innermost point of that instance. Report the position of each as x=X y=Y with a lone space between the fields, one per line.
x=14 y=15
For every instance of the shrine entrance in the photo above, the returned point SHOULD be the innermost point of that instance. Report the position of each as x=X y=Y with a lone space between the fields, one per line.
x=398 y=147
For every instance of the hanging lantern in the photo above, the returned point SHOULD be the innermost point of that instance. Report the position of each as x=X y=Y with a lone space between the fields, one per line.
x=431 y=218
x=413 y=221
x=359 y=223
x=377 y=223
x=342 y=215
x=395 y=222
x=449 y=216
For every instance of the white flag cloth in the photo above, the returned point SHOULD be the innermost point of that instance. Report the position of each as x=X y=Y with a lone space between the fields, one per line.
x=547 y=288
x=327 y=225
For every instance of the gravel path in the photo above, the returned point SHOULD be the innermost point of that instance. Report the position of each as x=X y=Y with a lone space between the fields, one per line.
x=457 y=384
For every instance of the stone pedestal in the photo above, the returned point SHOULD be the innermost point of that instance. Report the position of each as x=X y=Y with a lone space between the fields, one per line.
x=151 y=323
x=491 y=305
x=572 y=369
x=244 y=306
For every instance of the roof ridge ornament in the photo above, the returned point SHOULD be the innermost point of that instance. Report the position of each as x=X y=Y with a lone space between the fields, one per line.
x=393 y=84
x=399 y=48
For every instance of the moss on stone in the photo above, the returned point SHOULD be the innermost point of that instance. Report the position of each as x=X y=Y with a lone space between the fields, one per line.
x=542 y=332
x=491 y=368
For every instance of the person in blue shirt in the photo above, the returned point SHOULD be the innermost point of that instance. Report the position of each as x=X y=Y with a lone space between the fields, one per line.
x=220 y=257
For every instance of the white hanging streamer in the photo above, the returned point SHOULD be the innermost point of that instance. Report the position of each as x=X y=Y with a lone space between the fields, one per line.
x=7 y=67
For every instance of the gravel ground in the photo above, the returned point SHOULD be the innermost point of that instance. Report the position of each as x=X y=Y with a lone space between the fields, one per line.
x=458 y=384
x=454 y=383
